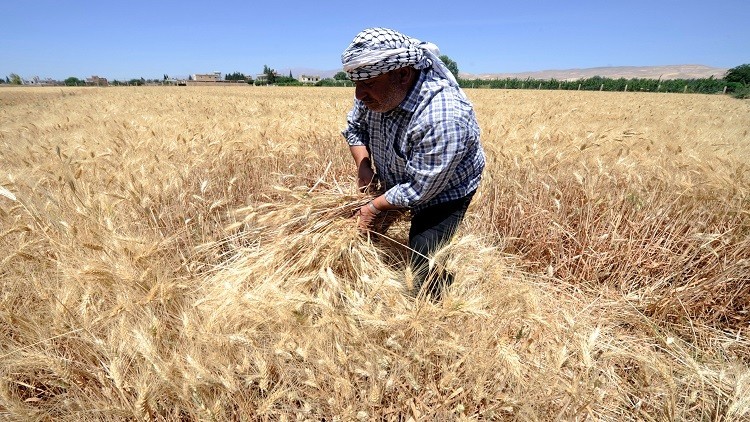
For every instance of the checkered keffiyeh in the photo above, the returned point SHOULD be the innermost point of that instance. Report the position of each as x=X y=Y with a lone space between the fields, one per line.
x=375 y=51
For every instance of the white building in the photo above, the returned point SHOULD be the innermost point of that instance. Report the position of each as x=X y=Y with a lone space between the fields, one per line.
x=307 y=79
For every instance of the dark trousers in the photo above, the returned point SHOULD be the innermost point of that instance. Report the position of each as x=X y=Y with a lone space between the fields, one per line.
x=432 y=228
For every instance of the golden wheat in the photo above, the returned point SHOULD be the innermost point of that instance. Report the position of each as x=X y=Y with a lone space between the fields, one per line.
x=190 y=254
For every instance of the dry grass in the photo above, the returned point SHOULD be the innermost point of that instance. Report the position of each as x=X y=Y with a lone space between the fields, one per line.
x=188 y=253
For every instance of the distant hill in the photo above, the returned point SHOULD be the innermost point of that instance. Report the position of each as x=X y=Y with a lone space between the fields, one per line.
x=687 y=71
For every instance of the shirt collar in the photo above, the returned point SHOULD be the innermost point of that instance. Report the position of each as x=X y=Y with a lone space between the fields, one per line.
x=412 y=99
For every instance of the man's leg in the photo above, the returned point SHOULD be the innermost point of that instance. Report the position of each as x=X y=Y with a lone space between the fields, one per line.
x=431 y=228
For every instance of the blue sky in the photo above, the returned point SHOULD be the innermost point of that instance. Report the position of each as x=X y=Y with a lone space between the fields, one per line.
x=133 y=38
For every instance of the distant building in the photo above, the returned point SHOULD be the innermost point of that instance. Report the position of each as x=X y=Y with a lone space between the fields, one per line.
x=307 y=79
x=97 y=81
x=207 y=77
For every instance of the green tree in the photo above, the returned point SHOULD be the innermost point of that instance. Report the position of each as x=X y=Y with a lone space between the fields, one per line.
x=341 y=76
x=73 y=81
x=14 y=79
x=738 y=81
x=270 y=74
x=450 y=64
x=236 y=76
x=739 y=74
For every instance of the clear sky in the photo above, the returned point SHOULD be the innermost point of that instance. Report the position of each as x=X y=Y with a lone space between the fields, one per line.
x=135 y=38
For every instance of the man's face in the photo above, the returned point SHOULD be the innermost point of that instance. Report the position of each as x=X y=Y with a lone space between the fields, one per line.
x=383 y=92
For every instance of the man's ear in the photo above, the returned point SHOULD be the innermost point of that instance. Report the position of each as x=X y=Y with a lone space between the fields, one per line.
x=405 y=74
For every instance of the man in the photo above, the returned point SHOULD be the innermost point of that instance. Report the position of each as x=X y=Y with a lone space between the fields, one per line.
x=415 y=125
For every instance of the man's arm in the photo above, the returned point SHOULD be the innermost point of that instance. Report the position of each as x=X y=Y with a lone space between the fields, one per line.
x=365 y=174
x=432 y=162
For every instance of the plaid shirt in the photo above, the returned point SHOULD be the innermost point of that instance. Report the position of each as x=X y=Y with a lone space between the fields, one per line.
x=426 y=150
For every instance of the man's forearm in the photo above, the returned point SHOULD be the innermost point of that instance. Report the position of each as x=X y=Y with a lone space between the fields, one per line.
x=382 y=204
x=365 y=173
x=362 y=160
x=361 y=156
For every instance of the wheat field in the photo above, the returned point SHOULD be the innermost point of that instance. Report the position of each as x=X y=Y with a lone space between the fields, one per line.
x=188 y=253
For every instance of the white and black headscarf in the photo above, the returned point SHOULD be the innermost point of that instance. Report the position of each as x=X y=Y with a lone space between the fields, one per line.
x=375 y=51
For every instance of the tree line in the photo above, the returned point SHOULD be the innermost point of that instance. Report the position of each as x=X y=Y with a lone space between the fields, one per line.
x=598 y=83
x=735 y=82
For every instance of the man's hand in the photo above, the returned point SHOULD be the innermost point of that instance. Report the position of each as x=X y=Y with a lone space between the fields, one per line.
x=365 y=219
x=373 y=219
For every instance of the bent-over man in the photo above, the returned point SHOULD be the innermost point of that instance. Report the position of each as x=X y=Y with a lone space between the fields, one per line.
x=414 y=129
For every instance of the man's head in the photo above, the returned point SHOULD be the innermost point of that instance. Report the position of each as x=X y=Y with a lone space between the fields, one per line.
x=385 y=92
x=375 y=51
x=381 y=63
x=385 y=63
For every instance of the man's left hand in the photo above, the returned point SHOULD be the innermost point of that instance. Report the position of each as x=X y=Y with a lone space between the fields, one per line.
x=365 y=219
